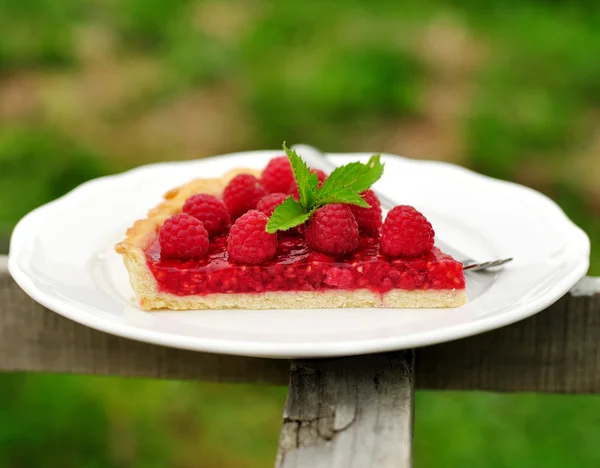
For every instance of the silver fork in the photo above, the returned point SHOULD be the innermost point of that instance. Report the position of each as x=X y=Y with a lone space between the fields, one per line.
x=316 y=159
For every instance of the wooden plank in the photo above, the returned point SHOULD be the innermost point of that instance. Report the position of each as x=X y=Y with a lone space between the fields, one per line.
x=349 y=413
x=34 y=339
x=554 y=351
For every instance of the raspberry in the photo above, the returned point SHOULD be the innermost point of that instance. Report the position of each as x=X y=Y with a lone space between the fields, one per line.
x=278 y=176
x=406 y=233
x=249 y=242
x=339 y=278
x=183 y=236
x=210 y=210
x=293 y=188
x=320 y=175
x=242 y=194
x=332 y=230
x=268 y=204
x=368 y=219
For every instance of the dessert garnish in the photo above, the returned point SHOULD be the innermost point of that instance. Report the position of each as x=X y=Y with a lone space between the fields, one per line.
x=268 y=204
x=242 y=194
x=342 y=186
x=368 y=219
x=210 y=210
x=332 y=229
x=249 y=242
x=278 y=177
x=406 y=233
x=183 y=236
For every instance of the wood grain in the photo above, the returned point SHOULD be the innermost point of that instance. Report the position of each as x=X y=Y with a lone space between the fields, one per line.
x=34 y=339
x=554 y=351
x=349 y=413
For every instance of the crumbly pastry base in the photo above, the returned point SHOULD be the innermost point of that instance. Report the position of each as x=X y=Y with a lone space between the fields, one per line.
x=330 y=299
x=143 y=234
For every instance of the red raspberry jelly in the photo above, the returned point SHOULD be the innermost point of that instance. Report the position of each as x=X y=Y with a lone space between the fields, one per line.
x=295 y=268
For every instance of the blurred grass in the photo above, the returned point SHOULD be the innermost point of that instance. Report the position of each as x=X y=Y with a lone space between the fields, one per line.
x=36 y=33
x=509 y=88
x=499 y=431
x=37 y=165
x=65 y=421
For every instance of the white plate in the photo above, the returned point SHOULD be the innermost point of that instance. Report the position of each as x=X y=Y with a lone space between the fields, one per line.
x=62 y=256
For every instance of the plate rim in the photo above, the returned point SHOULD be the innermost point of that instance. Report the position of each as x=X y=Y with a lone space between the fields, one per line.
x=286 y=350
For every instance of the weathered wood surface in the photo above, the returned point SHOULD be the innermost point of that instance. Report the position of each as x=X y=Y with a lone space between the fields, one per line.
x=34 y=339
x=349 y=413
x=554 y=351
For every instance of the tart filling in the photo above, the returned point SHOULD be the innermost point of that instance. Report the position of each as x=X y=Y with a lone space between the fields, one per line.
x=296 y=268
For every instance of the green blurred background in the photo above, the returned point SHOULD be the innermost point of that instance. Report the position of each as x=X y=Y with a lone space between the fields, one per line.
x=510 y=88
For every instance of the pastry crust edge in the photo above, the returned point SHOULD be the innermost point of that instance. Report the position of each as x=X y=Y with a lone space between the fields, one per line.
x=331 y=299
x=142 y=234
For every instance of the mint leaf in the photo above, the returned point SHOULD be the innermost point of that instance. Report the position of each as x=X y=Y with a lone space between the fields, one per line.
x=356 y=177
x=342 y=195
x=307 y=182
x=344 y=185
x=287 y=215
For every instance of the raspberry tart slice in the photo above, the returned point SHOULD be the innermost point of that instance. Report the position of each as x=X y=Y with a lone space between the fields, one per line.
x=287 y=238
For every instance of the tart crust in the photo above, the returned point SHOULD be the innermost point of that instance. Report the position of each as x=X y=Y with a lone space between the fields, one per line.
x=143 y=233
x=396 y=298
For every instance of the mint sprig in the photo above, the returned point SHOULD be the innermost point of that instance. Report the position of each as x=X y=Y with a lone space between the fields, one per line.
x=356 y=177
x=287 y=215
x=344 y=185
x=307 y=182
